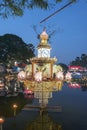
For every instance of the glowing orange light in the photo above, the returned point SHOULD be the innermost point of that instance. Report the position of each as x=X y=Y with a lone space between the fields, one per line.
x=15 y=106
x=1 y=120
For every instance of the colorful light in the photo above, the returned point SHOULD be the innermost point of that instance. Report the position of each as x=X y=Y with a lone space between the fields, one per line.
x=74 y=85
x=59 y=75
x=68 y=76
x=38 y=76
x=21 y=75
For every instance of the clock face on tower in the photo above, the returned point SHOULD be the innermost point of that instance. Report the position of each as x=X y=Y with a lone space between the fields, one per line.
x=43 y=52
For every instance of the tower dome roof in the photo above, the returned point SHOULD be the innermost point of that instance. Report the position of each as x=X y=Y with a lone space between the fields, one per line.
x=44 y=35
x=44 y=40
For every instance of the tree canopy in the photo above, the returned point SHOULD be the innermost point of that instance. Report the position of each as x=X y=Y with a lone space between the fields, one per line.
x=17 y=7
x=64 y=66
x=14 y=48
x=80 y=61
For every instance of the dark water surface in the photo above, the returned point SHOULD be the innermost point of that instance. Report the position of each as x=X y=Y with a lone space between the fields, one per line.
x=73 y=115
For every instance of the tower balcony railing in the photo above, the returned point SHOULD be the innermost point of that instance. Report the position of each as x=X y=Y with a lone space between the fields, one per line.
x=43 y=59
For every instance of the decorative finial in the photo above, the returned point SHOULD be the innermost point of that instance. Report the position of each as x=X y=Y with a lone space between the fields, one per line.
x=44 y=29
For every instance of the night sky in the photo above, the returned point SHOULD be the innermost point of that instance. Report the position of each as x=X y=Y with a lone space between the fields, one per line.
x=68 y=29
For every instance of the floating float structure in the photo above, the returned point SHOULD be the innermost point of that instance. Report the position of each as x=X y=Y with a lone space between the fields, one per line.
x=42 y=76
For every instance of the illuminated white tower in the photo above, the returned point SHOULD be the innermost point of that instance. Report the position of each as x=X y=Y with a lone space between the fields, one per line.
x=44 y=47
x=43 y=59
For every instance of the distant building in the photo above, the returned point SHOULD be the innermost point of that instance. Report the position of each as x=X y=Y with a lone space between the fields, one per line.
x=77 y=68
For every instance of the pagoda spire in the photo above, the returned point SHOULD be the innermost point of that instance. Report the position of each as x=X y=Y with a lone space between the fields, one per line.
x=44 y=39
x=44 y=35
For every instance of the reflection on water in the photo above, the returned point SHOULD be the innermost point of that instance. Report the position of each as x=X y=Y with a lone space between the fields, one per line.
x=43 y=122
x=82 y=86
x=55 y=106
